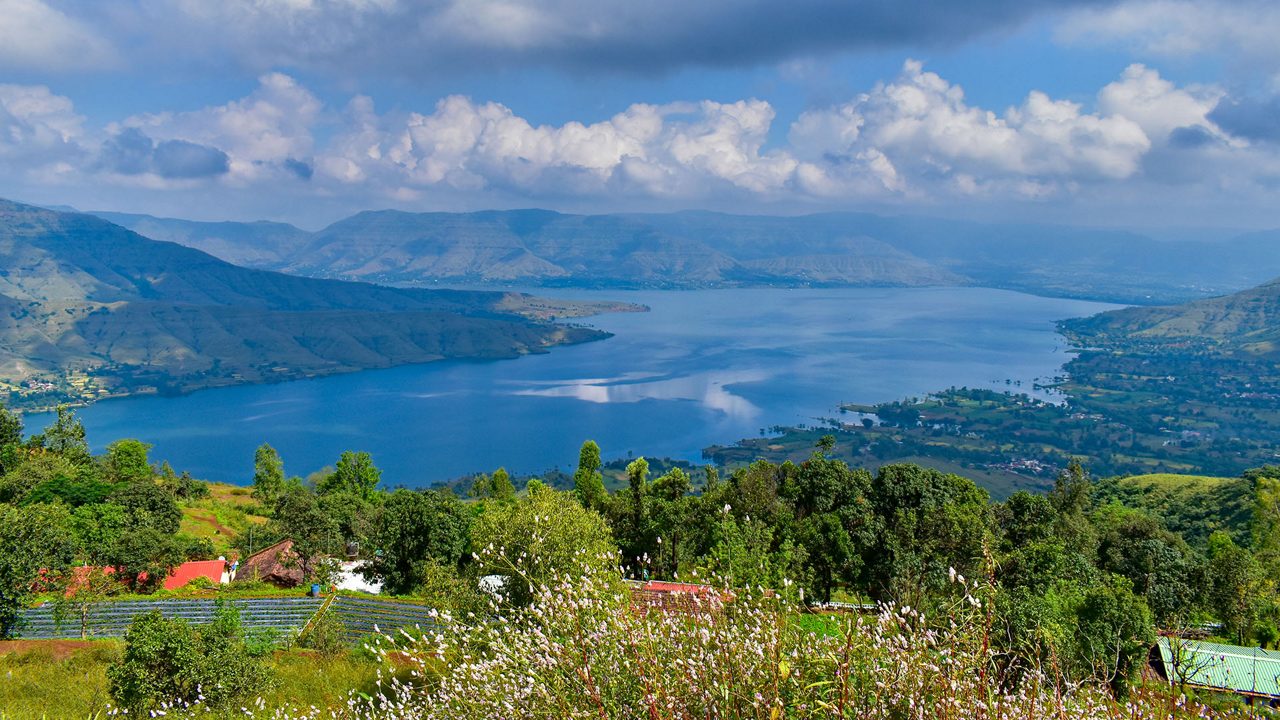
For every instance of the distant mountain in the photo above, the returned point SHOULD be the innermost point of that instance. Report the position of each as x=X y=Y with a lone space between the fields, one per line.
x=1244 y=323
x=253 y=244
x=89 y=308
x=706 y=249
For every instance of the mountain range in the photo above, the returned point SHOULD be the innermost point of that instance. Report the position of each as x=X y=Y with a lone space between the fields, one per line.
x=703 y=249
x=89 y=308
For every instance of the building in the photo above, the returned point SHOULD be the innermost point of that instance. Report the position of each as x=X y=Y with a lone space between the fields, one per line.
x=1248 y=671
x=276 y=565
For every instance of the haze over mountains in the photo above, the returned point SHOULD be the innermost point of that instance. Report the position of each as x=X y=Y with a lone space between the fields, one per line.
x=704 y=249
x=81 y=296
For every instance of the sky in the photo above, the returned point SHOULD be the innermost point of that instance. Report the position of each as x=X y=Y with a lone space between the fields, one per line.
x=1151 y=114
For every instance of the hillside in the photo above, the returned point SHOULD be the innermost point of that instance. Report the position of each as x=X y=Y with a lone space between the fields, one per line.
x=705 y=249
x=1191 y=505
x=1246 y=322
x=91 y=309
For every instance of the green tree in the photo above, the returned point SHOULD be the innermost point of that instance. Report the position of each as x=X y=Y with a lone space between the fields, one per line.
x=300 y=517
x=416 y=532
x=588 y=482
x=126 y=461
x=1239 y=589
x=543 y=537
x=355 y=473
x=268 y=475
x=35 y=543
x=931 y=522
x=1113 y=633
x=168 y=660
x=149 y=505
x=38 y=468
x=494 y=487
x=11 y=438
x=143 y=558
x=66 y=437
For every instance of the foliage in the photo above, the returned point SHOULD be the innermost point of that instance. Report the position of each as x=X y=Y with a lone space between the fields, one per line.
x=415 y=532
x=168 y=662
x=126 y=462
x=300 y=517
x=541 y=537
x=588 y=483
x=355 y=473
x=143 y=558
x=34 y=544
x=149 y=505
x=577 y=652
x=268 y=475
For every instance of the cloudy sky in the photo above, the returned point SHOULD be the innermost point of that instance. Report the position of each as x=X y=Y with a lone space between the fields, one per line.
x=1146 y=113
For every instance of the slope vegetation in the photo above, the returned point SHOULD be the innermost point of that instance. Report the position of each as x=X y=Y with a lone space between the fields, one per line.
x=88 y=308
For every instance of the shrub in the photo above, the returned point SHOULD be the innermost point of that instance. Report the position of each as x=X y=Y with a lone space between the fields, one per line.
x=168 y=663
x=579 y=651
x=325 y=635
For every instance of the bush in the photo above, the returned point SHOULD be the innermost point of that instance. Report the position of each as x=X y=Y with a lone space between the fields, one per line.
x=169 y=663
x=578 y=650
x=325 y=635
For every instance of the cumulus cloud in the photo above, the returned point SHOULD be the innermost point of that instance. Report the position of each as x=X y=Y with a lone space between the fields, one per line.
x=914 y=138
x=591 y=35
x=34 y=35
x=40 y=132
x=919 y=130
x=262 y=136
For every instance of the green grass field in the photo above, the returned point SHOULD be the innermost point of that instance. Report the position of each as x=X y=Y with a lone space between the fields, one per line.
x=48 y=679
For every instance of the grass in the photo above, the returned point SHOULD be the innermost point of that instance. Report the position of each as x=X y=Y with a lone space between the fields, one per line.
x=54 y=679
x=1177 y=483
x=226 y=513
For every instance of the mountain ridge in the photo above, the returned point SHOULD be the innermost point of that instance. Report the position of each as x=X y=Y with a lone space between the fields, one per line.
x=87 y=304
x=694 y=249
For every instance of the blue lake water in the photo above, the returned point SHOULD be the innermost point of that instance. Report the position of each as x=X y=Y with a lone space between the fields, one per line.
x=702 y=367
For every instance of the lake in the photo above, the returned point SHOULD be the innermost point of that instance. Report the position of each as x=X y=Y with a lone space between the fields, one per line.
x=702 y=367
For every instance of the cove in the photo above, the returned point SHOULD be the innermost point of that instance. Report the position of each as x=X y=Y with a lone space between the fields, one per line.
x=702 y=367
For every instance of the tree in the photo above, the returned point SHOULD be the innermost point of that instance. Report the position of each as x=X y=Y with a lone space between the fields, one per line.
x=168 y=660
x=300 y=517
x=355 y=473
x=143 y=558
x=1114 y=632
x=416 y=532
x=66 y=437
x=39 y=468
x=34 y=544
x=126 y=461
x=1239 y=589
x=543 y=537
x=588 y=482
x=268 y=475
x=150 y=506
x=496 y=487
x=931 y=522
x=11 y=438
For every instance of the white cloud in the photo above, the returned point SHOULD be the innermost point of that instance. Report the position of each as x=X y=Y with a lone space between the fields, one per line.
x=1240 y=29
x=260 y=133
x=34 y=35
x=915 y=139
x=919 y=131
x=40 y=132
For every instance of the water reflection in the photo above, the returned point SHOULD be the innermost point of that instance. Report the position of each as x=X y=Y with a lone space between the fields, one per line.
x=710 y=390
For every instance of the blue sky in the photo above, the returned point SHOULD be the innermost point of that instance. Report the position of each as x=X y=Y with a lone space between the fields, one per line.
x=1141 y=113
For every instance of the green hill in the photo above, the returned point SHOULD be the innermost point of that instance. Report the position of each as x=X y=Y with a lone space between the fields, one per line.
x=1246 y=322
x=1192 y=505
x=88 y=308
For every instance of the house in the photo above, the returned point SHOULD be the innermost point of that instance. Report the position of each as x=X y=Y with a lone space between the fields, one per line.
x=277 y=565
x=1248 y=671
x=348 y=577
x=673 y=596
x=217 y=572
